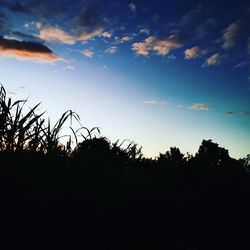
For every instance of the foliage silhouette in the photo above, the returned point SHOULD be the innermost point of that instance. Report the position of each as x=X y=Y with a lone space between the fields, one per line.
x=36 y=167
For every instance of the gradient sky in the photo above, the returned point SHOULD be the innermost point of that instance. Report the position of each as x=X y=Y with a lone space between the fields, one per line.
x=160 y=73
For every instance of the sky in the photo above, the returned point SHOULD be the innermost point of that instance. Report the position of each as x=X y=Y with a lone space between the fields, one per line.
x=159 y=73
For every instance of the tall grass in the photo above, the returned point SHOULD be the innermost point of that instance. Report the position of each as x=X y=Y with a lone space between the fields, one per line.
x=29 y=131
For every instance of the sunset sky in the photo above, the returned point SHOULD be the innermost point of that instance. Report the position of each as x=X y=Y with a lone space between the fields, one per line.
x=160 y=73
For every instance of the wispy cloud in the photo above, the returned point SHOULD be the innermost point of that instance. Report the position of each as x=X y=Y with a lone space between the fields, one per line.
x=179 y=106
x=88 y=53
x=111 y=50
x=155 y=102
x=245 y=113
x=199 y=106
x=213 y=60
x=193 y=52
x=70 y=67
x=125 y=39
x=160 y=46
x=58 y=35
x=145 y=31
x=27 y=51
x=231 y=34
x=132 y=7
x=229 y=113
x=106 y=34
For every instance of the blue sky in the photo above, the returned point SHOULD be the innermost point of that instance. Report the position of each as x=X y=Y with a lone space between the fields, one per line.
x=160 y=73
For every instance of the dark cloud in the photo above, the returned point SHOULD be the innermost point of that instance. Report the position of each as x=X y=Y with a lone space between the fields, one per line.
x=45 y=10
x=26 y=50
x=25 y=37
x=229 y=113
x=20 y=7
x=23 y=45
x=89 y=18
x=232 y=33
x=195 y=24
x=4 y=23
x=245 y=113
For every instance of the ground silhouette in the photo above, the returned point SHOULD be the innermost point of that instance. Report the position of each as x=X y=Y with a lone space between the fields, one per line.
x=198 y=201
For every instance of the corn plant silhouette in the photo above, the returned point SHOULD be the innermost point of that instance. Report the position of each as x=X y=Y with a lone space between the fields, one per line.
x=19 y=131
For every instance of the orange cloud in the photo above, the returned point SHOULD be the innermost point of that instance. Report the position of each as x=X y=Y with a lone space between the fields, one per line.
x=58 y=35
x=144 y=48
x=192 y=53
x=213 y=60
x=89 y=35
x=160 y=46
x=88 y=53
x=125 y=39
x=106 y=34
x=199 y=106
x=163 y=47
x=27 y=51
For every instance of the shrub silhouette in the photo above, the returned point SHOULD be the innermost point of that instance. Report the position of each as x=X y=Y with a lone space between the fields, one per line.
x=88 y=176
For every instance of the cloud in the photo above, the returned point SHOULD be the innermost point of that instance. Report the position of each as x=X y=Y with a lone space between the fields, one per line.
x=88 y=53
x=27 y=51
x=171 y=57
x=144 y=48
x=89 y=18
x=245 y=113
x=106 y=34
x=90 y=35
x=229 y=113
x=145 y=31
x=199 y=106
x=163 y=47
x=111 y=50
x=19 y=7
x=126 y=39
x=241 y=64
x=160 y=46
x=4 y=23
x=231 y=34
x=192 y=53
x=155 y=102
x=151 y=102
x=132 y=8
x=213 y=60
x=70 y=67
x=58 y=35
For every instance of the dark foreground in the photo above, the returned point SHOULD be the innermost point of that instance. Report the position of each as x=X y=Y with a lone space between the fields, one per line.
x=56 y=201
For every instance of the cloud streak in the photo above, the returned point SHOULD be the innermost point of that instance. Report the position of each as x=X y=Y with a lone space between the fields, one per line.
x=27 y=51
x=199 y=106
x=231 y=34
x=58 y=35
x=213 y=60
x=111 y=50
x=194 y=52
x=88 y=53
x=160 y=46
x=155 y=102
x=132 y=7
